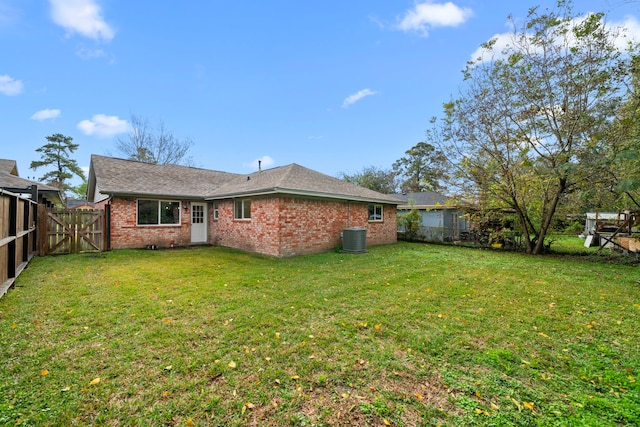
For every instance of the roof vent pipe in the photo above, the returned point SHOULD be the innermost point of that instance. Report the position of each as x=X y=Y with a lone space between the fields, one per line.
x=259 y=165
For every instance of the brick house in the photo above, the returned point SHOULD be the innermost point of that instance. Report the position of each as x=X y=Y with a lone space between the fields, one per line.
x=283 y=211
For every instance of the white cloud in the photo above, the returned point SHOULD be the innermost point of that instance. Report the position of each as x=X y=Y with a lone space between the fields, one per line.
x=352 y=99
x=426 y=15
x=103 y=125
x=85 y=53
x=627 y=30
x=10 y=86
x=262 y=162
x=45 y=114
x=83 y=17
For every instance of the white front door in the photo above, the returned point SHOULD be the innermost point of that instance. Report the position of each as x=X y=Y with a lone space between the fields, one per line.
x=198 y=223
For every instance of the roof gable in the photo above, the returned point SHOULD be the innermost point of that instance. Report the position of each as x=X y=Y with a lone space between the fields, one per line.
x=115 y=176
x=9 y=167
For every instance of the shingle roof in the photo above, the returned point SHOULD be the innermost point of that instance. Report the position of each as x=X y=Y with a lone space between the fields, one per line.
x=128 y=177
x=9 y=167
x=428 y=199
x=9 y=179
x=297 y=180
x=112 y=176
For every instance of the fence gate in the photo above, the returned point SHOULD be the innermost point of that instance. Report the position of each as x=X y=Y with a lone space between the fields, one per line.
x=70 y=231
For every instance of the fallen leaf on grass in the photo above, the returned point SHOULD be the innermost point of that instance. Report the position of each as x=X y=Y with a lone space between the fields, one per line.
x=542 y=334
x=517 y=404
x=386 y=422
x=95 y=381
x=232 y=364
x=44 y=372
x=418 y=396
x=14 y=325
x=529 y=406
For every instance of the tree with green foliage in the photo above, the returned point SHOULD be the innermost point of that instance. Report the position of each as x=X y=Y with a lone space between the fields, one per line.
x=410 y=221
x=522 y=131
x=376 y=179
x=421 y=169
x=621 y=156
x=56 y=154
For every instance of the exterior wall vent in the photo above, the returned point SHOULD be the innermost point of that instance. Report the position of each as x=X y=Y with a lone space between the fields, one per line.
x=354 y=240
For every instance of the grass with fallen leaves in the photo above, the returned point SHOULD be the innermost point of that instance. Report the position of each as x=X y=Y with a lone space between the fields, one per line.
x=404 y=335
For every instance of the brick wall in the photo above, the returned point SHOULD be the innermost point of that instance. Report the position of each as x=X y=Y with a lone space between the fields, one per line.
x=287 y=226
x=125 y=233
x=279 y=226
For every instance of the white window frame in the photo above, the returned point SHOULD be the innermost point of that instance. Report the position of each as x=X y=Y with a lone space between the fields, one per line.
x=376 y=207
x=245 y=209
x=216 y=211
x=159 y=223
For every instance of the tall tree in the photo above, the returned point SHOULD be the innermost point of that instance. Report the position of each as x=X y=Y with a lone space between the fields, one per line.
x=377 y=179
x=621 y=159
x=159 y=146
x=422 y=168
x=56 y=154
x=530 y=114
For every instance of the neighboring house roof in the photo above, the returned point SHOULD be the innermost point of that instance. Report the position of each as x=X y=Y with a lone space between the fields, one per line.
x=10 y=181
x=76 y=203
x=9 y=167
x=427 y=200
x=297 y=180
x=112 y=176
x=604 y=215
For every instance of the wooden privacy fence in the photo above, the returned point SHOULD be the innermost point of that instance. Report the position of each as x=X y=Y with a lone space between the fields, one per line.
x=17 y=236
x=69 y=231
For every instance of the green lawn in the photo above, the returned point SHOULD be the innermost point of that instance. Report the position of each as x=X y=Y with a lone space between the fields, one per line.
x=406 y=334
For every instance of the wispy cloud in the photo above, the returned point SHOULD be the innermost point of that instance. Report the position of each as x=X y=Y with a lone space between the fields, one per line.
x=262 y=162
x=352 y=99
x=427 y=15
x=83 y=17
x=626 y=31
x=8 y=14
x=10 y=86
x=45 y=114
x=104 y=126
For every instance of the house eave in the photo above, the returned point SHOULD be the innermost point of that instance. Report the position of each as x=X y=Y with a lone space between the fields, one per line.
x=431 y=207
x=150 y=195
x=303 y=193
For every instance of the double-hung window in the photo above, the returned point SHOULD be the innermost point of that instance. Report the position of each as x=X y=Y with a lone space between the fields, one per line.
x=242 y=209
x=158 y=212
x=216 y=211
x=375 y=212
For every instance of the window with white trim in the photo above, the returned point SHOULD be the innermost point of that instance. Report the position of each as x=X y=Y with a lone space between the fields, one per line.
x=375 y=212
x=242 y=209
x=215 y=210
x=158 y=212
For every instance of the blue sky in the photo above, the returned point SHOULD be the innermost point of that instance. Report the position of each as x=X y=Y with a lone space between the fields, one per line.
x=331 y=85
